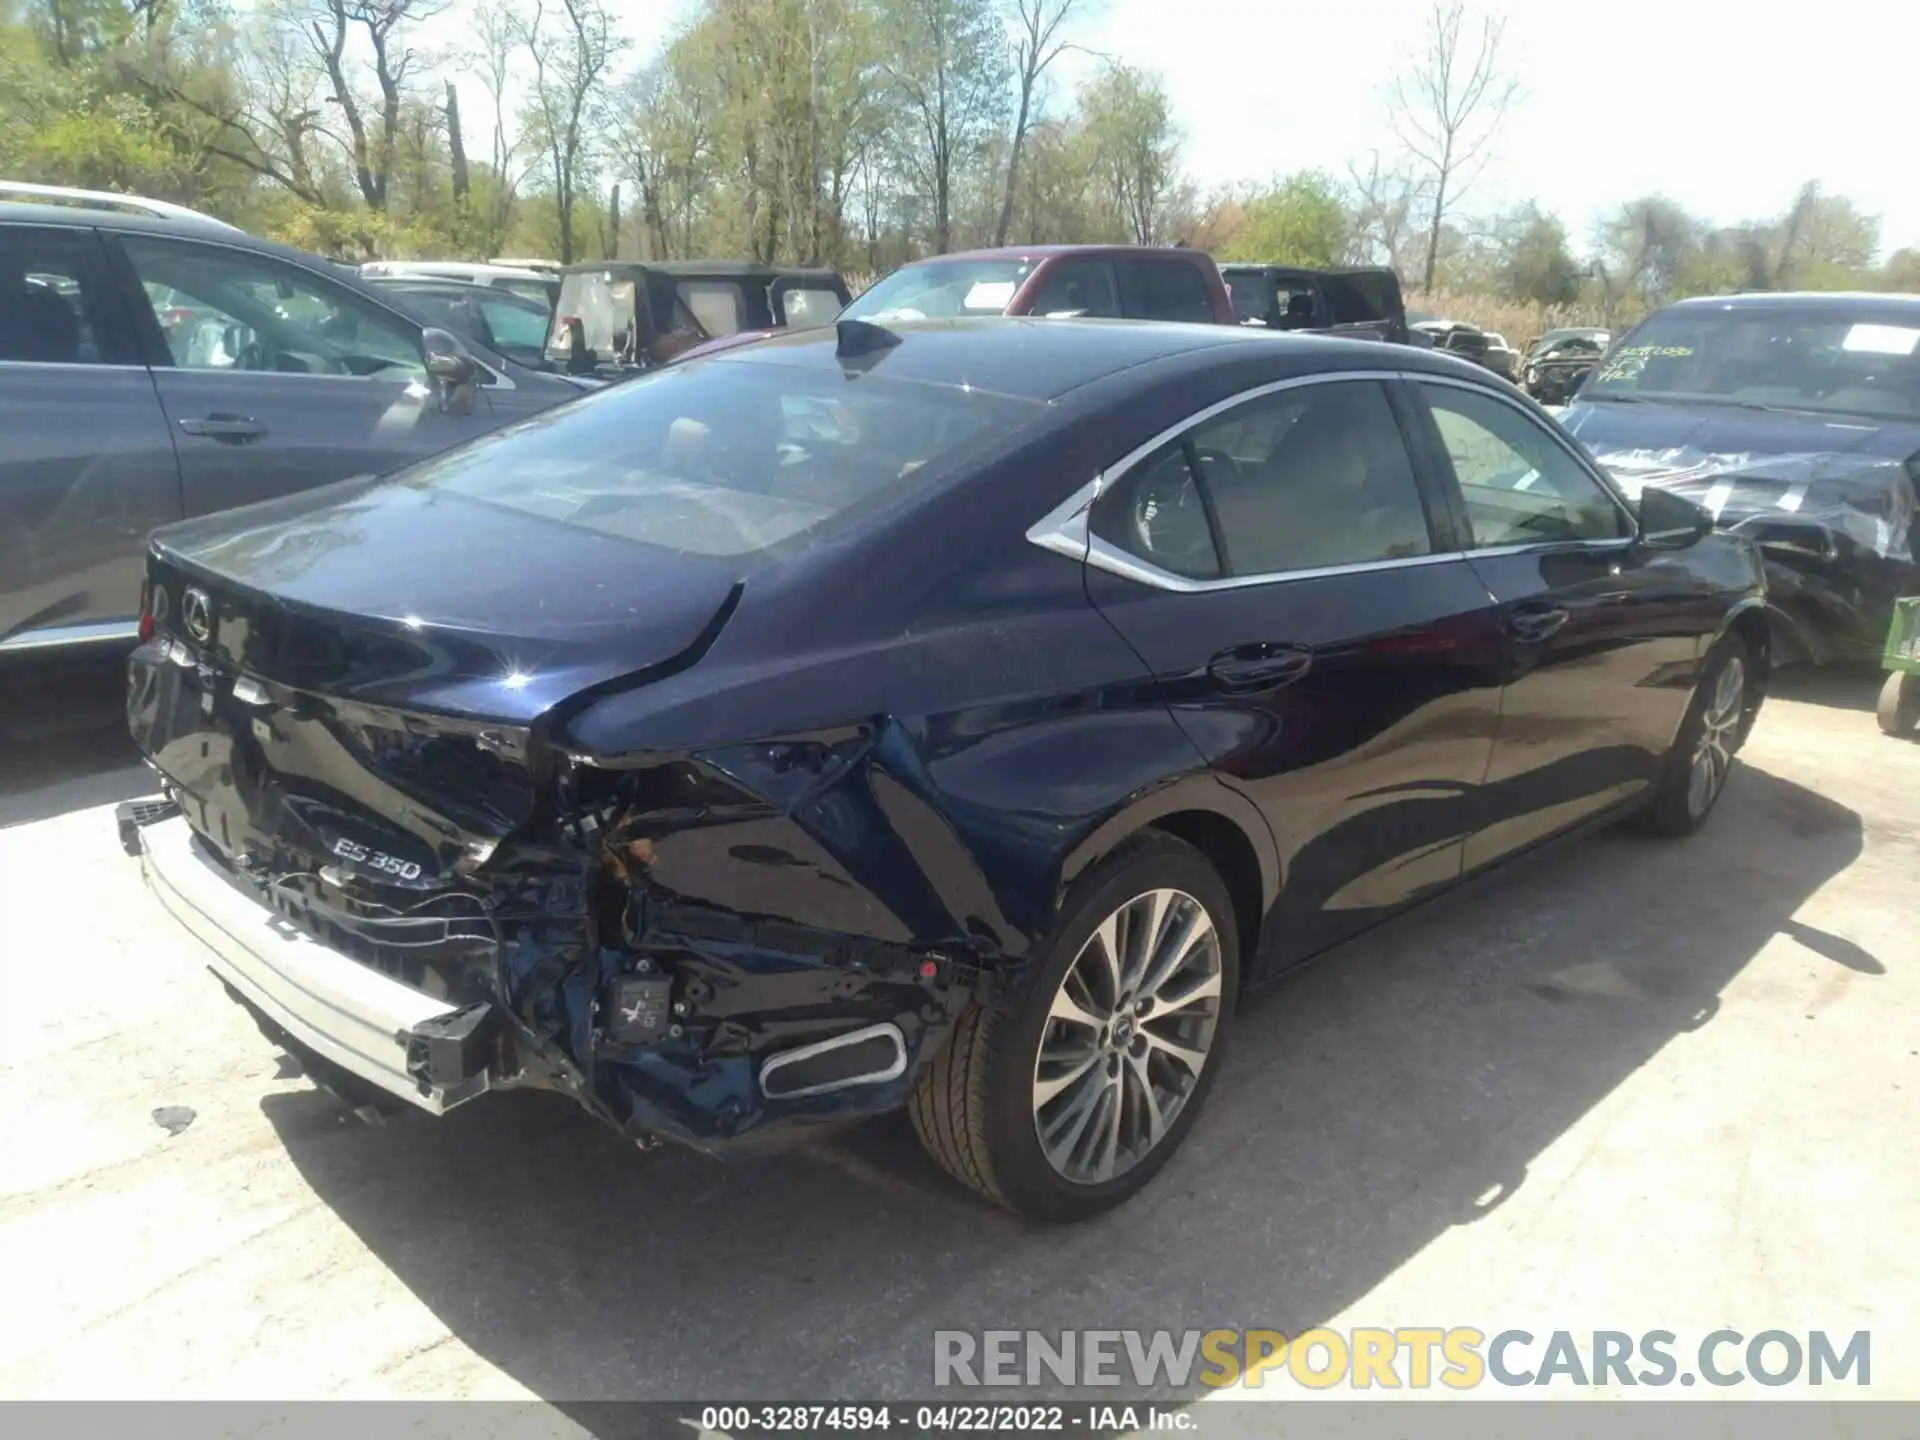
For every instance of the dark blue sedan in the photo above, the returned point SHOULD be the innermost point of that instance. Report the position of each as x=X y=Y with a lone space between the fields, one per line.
x=953 y=715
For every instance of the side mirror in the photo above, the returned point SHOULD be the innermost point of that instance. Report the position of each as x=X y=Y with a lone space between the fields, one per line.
x=452 y=369
x=1671 y=522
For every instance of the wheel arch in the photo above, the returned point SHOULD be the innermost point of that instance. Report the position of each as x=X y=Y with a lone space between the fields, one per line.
x=1216 y=820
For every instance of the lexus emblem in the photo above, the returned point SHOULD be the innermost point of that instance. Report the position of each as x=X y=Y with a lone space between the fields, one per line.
x=198 y=614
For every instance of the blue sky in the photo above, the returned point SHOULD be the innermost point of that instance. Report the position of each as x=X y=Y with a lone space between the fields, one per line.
x=1727 y=107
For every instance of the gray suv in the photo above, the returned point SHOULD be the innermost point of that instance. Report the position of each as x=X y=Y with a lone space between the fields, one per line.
x=157 y=364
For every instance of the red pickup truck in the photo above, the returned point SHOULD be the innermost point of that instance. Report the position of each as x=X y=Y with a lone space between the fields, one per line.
x=1139 y=281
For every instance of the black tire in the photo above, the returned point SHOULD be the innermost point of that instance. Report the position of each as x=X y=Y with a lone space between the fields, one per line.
x=973 y=1106
x=1675 y=810
x=1899 y=707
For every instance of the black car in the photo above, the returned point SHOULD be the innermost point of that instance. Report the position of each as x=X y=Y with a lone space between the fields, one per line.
x=1795 y=420
x=504 y=321
x=1362 y=302
x=955 y=715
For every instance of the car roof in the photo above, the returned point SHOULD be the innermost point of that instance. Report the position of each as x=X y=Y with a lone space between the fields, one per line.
x=441 y=285
x=28 y=212
x=445 y=268
x=1037 y=252
x=1805 y=300
x=715 y=269
x=1037 y=359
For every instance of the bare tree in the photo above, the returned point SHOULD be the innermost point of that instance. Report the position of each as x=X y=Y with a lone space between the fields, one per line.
x=572 y=47
x=947 y=65
x=1040 y=40
x=490 y=59
x=369 y=141
x=1447 y=107
x=1385 y=200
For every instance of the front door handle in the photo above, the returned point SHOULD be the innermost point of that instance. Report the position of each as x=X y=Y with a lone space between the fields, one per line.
x=1262 y=666
x=1536 y=621
x=234 y=429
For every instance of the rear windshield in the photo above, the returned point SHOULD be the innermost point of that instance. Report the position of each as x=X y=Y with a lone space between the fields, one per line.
x=1859 y=362
x=942 y=290
x=716 y=458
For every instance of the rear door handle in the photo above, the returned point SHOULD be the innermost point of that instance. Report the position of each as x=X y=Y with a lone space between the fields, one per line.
x=1262 y=666
x=235 y=428
x=1536 y=621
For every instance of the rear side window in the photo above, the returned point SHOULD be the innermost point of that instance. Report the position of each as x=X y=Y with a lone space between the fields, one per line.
x=728 y=457
x=1078 y=287
x=1360 y=299
x=717 y=304
x=1158 y=513
x=1169 y=290
x=55 y=308
x=808 y=309
x=1306 y=478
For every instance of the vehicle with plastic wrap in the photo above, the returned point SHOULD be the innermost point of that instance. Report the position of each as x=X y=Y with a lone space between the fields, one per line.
x=617 y=318
x=953 y=715
x=1795 y=420
x=1056 y=282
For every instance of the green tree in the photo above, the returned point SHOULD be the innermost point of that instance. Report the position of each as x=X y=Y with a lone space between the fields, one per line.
x=1133 y=150
x=1299 y=220
x=1538 y=265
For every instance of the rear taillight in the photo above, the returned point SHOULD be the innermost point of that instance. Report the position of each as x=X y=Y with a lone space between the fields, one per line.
x=146 y=625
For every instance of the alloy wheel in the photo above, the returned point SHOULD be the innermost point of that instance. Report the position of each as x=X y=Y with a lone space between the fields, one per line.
x=1719 y=726
x=1127 y=1036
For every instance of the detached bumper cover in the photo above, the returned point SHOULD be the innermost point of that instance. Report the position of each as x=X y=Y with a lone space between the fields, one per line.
x=351 y=1015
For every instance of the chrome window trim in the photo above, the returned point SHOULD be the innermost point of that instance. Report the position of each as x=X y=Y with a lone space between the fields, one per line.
x=59 y=636
x=1581 y=463
x=1067 y=528
x=89 y=365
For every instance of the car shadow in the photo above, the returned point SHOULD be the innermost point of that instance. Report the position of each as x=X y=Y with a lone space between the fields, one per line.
x=1839 y=687
x=1370 y=1103
x=64 y=744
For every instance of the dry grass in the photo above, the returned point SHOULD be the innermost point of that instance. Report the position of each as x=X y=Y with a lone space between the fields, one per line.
x=1516 y=320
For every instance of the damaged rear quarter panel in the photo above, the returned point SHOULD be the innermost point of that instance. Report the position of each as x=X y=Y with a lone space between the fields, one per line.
x=903 y=836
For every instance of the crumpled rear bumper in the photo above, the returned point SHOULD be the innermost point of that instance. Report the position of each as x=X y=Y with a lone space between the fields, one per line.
x=345 y=1012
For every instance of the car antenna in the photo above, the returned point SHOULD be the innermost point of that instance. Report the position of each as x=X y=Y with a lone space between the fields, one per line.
x=861 y=337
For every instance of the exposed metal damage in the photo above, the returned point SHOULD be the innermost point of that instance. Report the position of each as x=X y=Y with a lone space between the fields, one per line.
x=567 y=957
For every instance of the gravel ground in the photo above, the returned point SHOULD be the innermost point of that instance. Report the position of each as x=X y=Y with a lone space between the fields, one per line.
x=1623 y=1084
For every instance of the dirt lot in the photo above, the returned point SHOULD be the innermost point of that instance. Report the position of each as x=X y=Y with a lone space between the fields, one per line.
x=1624 y=1085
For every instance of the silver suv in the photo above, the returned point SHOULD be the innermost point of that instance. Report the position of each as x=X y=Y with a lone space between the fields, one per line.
x=157 y=364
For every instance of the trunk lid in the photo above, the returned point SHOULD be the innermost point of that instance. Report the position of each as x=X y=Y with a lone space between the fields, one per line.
x=359 y=677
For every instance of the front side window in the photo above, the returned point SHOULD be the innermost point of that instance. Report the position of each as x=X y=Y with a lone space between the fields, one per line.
x=1861 y=361
x=943 y=289
x=1307 y=478
x=516 y=330
x=226 y=309
x=1078 y=288
x=1520 y=486
x=727 y=457
x=51 y=299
